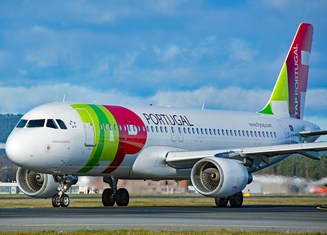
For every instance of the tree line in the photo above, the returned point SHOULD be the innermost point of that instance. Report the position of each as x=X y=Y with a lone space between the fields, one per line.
x=299 y=166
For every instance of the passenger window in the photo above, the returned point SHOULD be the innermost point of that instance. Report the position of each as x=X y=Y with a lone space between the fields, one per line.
x=243 y=133
x=124 y=127
x=134 y=128
x=161 y=129
x=239 y=132
x=105 y=126
x=138 y=128
x=218 y=131
x=184 y=130
x=247 y=133
x=61 y=124
x=157 y=129
x=263 y=134
x=259 y=133
x=205 y=130
x=255 y=133
x=143 y=129
x=189 y=131
x=179 y=130
x=227 y=132
x=100 y=125
x=231 y=132
x=271 y=135
x=267 y=134
x=197 y=130
x=119 y=126
x=172 y=130
x=275 y=134
x=222 y=131
x=201 y=131
x=110 y=127
x=251 y=133
x=210 y=131
x=193 y=130
x=147 y=128
x=214 y=131
x=235 y=133
x=129 y=127
x=152 y=129
x=51 y=124
x=21 y=123
x=166 y=129
x=115 y=127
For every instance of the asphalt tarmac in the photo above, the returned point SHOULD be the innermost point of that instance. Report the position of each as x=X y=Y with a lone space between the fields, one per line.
x=262 y=218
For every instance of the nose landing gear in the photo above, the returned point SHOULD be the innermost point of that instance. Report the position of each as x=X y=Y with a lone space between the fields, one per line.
x=65 y=182
x=111 y=195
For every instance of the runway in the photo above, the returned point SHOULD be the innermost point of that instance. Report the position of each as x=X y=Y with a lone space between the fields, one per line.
x=262 y=218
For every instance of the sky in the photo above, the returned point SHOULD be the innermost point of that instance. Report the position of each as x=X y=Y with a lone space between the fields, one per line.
x=178 y=53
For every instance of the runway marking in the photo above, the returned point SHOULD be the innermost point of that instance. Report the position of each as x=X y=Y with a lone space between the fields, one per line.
x=158 y=225
x=324 y=208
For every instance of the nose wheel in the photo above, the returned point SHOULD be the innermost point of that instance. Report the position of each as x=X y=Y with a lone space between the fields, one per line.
x=111 y=195
x=65 y=182
x=60 y=201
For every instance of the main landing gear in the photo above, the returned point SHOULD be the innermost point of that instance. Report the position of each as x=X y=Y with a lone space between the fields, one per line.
x=235 y=201
x=111 y=195
x=65 y=182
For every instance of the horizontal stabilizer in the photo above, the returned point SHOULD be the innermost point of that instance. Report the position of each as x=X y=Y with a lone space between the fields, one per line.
x=312 y=133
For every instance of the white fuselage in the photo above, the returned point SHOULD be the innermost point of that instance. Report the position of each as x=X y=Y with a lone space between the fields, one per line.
x=101 y=140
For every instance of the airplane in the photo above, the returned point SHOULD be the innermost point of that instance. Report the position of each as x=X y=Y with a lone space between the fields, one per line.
x=217 y=150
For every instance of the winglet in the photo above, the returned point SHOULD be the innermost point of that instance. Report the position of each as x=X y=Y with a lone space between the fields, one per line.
x=288 y=96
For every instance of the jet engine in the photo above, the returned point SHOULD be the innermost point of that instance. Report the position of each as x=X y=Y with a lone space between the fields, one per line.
x=35 y=184
x=219 y=177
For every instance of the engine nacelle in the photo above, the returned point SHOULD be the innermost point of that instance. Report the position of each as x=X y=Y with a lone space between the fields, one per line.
x=35 y=184
x=219 y=177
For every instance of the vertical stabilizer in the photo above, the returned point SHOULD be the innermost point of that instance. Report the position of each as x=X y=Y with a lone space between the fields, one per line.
x=288 y=96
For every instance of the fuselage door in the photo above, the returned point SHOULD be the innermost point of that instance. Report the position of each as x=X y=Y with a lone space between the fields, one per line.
x=88 y=127
x=286 y=131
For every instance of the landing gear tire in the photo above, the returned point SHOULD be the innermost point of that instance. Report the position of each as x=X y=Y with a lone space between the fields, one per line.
x=56 y=200
x=64 y=200
x=221 y=202
x=122 y=197
x=107 y=197
x=236 y=200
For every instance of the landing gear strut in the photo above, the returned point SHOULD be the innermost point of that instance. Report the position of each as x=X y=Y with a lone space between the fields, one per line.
x=111 y=195
x=65 y=182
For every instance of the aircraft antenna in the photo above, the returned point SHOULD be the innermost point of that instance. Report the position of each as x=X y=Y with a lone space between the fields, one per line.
x=64 y=99
x=203 y=105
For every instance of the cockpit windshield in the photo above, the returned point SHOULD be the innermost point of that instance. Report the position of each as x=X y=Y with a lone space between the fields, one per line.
x=21 y=123
x=36 y=123
x=50 y=123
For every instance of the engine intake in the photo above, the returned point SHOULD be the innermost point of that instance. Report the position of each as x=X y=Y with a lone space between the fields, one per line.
x=219 y=177
x=36 y=184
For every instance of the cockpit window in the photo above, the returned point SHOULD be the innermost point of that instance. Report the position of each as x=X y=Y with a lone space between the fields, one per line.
x=36 y=123
x=51 y=124
x=61 y=124
x=21 y=123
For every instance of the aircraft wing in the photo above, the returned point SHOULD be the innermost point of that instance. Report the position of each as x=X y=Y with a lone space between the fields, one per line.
x=2 y=145
x=186 y=159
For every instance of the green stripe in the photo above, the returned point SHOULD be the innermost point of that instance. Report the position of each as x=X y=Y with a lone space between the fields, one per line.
x=104 y=150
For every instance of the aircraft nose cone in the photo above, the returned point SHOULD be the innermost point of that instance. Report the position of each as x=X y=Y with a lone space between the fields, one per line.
x=20 y=148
